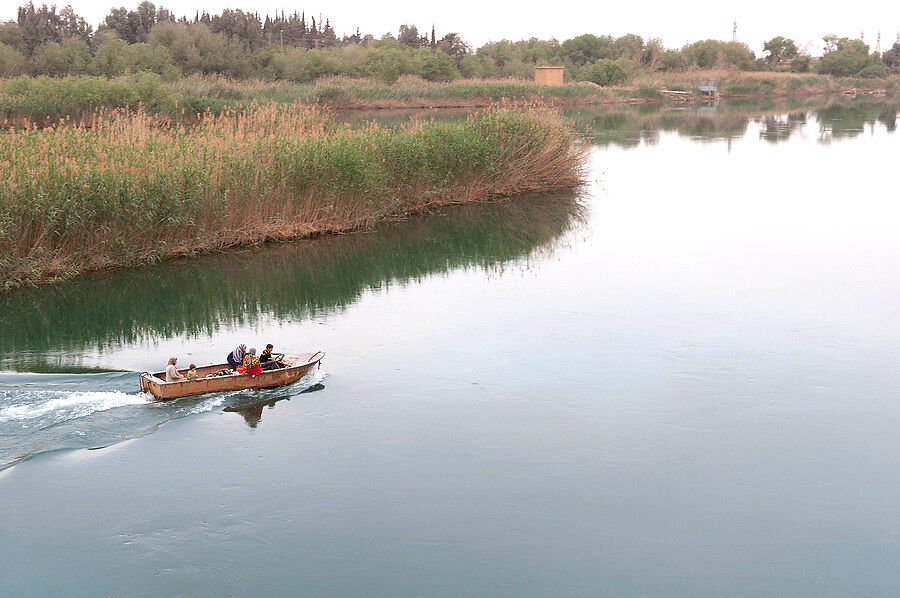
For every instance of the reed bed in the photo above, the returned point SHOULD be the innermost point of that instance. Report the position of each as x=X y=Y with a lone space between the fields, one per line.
x=37 y=98
x=129 y=188
x=733 y=83
x=44 y=99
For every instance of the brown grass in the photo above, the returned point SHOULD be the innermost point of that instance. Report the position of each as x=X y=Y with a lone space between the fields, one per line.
x=130 y=189
x=734 y=83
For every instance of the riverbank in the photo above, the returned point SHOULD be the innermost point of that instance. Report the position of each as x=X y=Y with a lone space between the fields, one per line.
x=740 y=84
x=131 y=189
x=45 y=100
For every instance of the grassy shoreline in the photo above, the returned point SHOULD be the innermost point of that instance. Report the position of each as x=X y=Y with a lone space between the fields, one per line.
x=45 y=100
x=131 y=189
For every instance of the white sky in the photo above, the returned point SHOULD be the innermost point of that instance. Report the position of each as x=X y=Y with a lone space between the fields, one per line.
x=478 y=22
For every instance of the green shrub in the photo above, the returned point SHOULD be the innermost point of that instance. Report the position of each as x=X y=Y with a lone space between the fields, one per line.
x=71 y=57
x=56 y=98
x=437 y=66
x=743 y=88
x=845 y=57
x=12 y=62
x=647 y=92
x=874 y=69
x=800 y=64
x=606 y=72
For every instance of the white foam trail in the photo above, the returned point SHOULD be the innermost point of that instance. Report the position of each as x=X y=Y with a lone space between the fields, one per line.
x=71 y=406
x=207 y=405
x=310 y=379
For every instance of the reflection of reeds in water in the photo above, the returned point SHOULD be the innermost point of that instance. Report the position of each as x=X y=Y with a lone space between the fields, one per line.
x=629 y=126
x=129 y=189
x=200 y=295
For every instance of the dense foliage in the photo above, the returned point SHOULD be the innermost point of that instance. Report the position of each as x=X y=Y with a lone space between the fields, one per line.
x=845 y=56
x=44 y=41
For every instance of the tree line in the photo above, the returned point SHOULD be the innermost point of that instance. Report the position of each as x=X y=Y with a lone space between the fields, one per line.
x=46 y=41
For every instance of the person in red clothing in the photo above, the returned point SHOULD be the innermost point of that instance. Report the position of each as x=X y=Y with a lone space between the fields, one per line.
x=251 y=363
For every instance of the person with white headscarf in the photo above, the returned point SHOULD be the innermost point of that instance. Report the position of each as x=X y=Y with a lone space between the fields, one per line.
x=236 y=357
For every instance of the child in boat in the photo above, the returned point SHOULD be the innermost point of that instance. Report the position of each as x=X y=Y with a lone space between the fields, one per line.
x=251 y=362
x=192 y=372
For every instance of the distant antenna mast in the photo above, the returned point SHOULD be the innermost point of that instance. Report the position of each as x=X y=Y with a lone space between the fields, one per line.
x=734 y=32
x=862 y=36
x=878 y=44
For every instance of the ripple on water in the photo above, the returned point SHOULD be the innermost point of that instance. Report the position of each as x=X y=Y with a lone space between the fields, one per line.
x=46 y=412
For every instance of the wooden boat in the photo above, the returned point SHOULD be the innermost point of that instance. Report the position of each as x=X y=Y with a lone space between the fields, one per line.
x=296 y=366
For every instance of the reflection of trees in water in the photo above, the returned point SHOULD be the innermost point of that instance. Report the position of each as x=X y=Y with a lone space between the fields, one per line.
x=775 y=128
x=630 y=126
x=200 y=295
x=844 y=120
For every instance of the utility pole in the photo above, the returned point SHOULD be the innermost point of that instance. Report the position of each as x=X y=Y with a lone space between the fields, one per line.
x=734 y=32
x=878 y=44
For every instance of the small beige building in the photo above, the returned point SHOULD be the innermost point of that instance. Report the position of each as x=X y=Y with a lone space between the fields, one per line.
x=548 y=75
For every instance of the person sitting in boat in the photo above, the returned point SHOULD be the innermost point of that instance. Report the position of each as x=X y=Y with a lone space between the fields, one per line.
x=172 y=374
x=251 y=363
x=269 y=360
x=192 y=372
x=236 y=357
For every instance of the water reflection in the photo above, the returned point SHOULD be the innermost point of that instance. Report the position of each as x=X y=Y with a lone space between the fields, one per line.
x=631 y=126
x=252 y=412
x=47 y=329
x=779 y=127
x=844 y=120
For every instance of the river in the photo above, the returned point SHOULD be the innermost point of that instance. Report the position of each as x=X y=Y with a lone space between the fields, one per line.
x=678 y=380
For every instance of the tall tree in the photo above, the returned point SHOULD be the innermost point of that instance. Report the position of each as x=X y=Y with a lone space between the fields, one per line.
x=38 y=26
x=329 y=38
x=452 y=45
x=780 y=48
x=409 y=36
x=892 y=56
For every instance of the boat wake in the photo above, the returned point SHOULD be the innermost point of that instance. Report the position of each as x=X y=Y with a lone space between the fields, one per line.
x=46 y=412
x=40 y=400
x=69 y=406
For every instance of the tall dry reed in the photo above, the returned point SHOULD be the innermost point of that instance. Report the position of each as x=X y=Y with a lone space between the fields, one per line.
x=128 y=188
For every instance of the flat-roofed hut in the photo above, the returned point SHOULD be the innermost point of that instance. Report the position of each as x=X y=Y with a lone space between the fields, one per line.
x=548 y=75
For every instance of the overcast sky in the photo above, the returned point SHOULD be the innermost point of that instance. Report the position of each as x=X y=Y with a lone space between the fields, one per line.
x=478 y=21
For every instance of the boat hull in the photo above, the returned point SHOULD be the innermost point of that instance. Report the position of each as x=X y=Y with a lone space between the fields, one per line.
x=297 y=366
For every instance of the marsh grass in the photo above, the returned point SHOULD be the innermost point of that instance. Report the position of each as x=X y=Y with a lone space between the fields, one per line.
x=741 y=83
x=28 y=98
x=129 y=187
x=45 y=100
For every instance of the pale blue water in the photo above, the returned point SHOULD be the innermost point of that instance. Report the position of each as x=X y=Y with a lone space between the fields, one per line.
x=680 y=380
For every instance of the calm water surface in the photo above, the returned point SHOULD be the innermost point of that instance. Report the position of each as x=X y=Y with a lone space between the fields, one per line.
x=680 y=380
